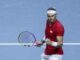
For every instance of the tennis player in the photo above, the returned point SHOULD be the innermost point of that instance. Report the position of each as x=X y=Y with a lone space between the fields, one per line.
x=54 y=33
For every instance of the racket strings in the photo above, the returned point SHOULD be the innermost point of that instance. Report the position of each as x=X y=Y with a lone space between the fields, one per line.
x=26 y=37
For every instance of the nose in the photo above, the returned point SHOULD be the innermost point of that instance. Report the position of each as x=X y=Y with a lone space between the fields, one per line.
x=49 y=18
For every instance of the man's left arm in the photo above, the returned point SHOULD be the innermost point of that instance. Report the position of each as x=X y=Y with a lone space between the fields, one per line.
x=57 y=44
x=59 y=41
x=59 y=38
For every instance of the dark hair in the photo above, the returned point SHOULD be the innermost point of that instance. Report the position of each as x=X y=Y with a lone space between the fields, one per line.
x=51 y=9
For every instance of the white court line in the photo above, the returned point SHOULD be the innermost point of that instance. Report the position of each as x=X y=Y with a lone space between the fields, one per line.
x=44 y=44
x=71 y=43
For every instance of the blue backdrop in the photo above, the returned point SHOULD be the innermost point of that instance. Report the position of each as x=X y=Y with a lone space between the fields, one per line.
x=21 y=15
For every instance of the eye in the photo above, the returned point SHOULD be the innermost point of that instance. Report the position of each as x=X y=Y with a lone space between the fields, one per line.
x=48 y=15
x=51 y=15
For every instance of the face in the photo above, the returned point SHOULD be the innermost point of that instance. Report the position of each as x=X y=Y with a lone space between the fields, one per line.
x=51 y=18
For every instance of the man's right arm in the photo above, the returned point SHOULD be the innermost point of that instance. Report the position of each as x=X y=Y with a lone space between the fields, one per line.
x=41 y=43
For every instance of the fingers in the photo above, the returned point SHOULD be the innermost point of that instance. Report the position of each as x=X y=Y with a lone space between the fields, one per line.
x=48 y=41
x=38 y=44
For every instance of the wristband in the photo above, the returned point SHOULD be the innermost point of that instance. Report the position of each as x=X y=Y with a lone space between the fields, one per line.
x=43 y=41
x=54 y=44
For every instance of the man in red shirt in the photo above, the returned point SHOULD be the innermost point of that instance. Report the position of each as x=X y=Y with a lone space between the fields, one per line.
x=54 y=33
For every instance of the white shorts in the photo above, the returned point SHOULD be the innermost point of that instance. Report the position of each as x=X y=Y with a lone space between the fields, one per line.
x=51 y=57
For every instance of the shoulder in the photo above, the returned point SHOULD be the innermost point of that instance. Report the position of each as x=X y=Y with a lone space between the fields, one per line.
x=59 y=29
x=59 y=24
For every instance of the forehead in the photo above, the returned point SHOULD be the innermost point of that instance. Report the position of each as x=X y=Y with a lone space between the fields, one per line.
x=50 y=15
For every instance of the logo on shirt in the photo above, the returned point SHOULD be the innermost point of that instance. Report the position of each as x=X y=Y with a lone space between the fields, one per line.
x=51 y=31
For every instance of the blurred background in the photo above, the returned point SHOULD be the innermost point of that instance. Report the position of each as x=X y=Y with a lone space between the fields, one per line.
x=21 y=15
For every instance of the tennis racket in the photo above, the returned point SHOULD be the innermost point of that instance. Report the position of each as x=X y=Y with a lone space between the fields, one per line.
x=27 y=38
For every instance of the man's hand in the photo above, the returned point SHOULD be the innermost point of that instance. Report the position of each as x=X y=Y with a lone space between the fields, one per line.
x=48 y=41
x=39 y=44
